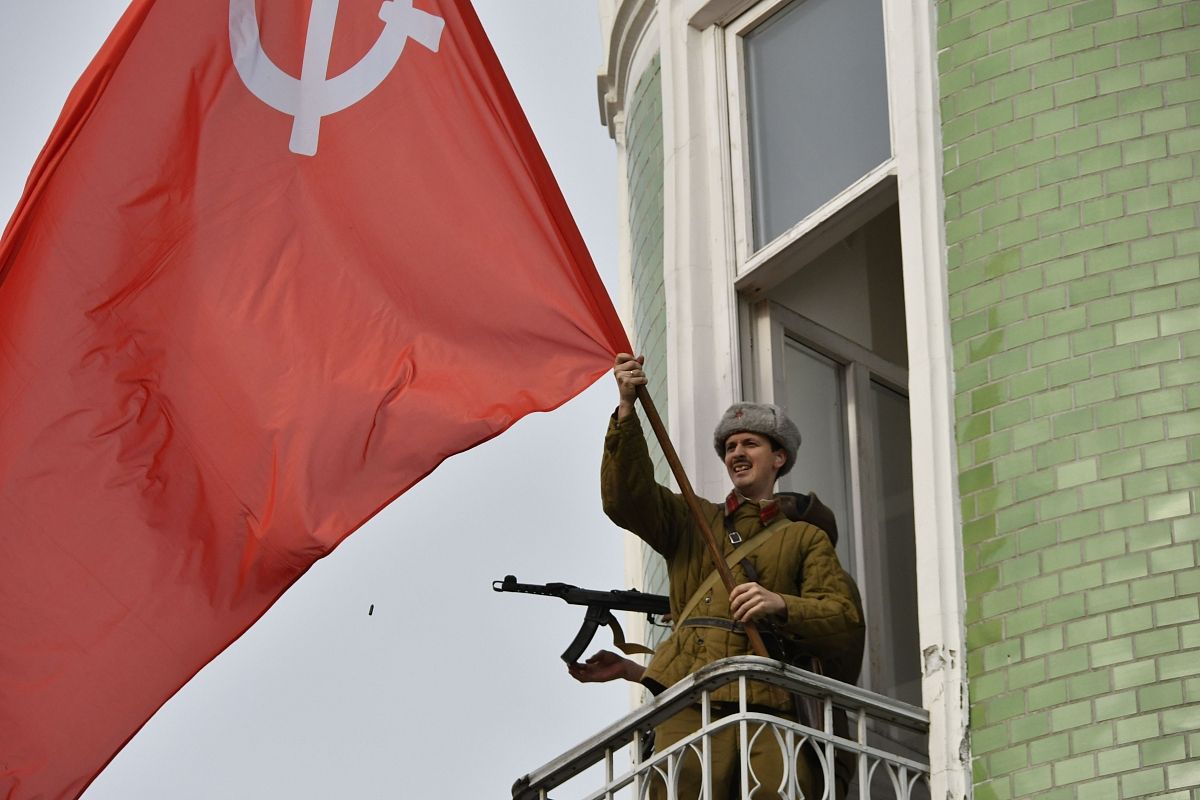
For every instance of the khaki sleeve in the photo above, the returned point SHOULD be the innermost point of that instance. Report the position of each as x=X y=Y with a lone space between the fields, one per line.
x=631 y=497
x=824 y=619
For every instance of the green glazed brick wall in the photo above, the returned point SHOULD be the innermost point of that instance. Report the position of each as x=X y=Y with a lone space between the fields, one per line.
x=644 y=165
x=1071 y=135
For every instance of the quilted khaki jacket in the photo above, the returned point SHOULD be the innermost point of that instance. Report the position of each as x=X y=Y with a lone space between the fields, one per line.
x=799 y=563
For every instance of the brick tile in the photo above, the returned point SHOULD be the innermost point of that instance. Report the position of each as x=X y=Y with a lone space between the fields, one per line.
x=1146 y=537
x=1182 y=776
x=1147 y=590
x=1139 y=673
x=1162 y=750
x=1155 y=642
x=1137 y=729
x=1075 y=769
x=1172 y=505
x=1118 y=704
x=1143 y=783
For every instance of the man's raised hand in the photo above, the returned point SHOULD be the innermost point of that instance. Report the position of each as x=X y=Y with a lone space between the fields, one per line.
x=628 y=371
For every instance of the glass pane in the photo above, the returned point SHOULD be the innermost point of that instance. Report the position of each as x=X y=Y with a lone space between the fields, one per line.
x=816 y=403
x=816 y=103
x=894 y=654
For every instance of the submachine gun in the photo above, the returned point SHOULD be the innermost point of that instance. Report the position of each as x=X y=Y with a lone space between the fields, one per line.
x=600 y=606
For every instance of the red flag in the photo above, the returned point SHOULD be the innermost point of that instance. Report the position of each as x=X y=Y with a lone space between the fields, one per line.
x=277 y=261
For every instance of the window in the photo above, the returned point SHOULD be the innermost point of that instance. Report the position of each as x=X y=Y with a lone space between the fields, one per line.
x=824 y=468
x=852 y=411
x=828 y=343
x=818 y=260
x=816 y=109
x=890 y=539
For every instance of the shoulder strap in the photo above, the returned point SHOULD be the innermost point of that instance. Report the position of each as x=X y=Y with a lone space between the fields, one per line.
x=742 y=551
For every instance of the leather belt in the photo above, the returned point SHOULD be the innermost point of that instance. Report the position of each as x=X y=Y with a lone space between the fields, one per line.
x=713 y=622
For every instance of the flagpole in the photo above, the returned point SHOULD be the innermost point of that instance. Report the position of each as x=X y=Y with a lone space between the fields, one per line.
x=689 y=496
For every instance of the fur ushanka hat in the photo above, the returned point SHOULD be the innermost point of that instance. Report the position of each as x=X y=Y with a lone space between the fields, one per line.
x=764 y=419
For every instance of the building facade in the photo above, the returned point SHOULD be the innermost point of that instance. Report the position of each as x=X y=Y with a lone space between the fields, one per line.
x=960 y=242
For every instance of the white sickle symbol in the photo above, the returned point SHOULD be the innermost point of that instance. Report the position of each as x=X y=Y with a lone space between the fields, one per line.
x=313 y=95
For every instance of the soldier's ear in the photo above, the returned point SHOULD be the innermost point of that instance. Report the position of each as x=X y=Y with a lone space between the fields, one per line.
x=780 y=458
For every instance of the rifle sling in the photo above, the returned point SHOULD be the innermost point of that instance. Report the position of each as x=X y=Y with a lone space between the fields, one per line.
x=628 y=648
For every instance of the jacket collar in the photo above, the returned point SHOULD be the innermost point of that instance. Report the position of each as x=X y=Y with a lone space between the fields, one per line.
x=768 y=510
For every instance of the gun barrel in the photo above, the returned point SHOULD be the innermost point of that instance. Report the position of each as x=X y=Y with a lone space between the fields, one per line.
x=615 y=599
x=509 y=584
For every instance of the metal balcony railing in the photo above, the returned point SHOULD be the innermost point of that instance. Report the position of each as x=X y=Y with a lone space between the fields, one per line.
x=877 y=752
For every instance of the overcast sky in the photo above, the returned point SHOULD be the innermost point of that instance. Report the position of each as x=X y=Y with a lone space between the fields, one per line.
x=448 y=690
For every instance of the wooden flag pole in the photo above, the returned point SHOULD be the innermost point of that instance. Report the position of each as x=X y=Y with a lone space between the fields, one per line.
x=689 y=496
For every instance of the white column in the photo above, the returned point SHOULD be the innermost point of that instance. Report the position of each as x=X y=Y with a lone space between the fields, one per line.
x=916 y=131
x=701 y=312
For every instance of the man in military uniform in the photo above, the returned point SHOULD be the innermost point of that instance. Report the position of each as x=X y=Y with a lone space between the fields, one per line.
x=793 y=579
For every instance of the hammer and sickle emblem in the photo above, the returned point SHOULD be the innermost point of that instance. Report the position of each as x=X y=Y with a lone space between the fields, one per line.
x=314 y=95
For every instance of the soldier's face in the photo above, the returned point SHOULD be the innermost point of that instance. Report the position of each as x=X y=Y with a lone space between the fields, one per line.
x=752 y=464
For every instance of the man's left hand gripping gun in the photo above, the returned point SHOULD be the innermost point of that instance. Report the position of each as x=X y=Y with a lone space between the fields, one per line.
x=600 y=606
